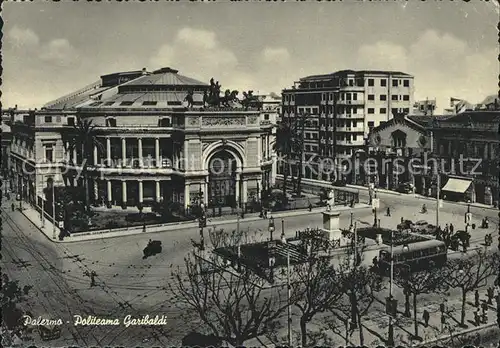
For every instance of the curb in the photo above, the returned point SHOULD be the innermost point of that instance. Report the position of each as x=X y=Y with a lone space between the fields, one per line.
x=185 y=225
x=460 y=333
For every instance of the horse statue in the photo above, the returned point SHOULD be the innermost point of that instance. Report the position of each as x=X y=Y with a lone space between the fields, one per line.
x=229 y=96
x=189 y=99
x=251 y=100
x=330 y=203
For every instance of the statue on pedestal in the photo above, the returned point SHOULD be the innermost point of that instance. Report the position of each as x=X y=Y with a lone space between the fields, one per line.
x=330 y=203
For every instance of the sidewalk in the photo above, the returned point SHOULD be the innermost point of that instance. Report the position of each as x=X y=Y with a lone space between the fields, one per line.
x=34 y=217
x=418 y=196
x=376 y=323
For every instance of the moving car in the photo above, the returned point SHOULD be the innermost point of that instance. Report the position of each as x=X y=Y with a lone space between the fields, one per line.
x=153 y=248
x=49 y=331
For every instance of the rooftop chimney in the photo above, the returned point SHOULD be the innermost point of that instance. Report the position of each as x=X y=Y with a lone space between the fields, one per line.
x=144 y=71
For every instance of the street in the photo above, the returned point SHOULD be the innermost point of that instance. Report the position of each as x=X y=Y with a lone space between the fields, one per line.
x=128 y=284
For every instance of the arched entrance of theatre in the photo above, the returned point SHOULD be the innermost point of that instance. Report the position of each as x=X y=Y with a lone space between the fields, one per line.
x=222 y=180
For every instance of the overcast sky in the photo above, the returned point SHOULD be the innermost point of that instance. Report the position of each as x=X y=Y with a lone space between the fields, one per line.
x=51 y=49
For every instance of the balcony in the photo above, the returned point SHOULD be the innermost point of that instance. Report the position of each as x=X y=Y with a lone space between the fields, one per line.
x=350 y=116
x=350 y=129
x=350 y=102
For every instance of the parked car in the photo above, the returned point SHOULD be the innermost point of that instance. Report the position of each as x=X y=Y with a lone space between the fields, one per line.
x=405 y=188
x=340 y=183
x=405 y=225
x=420 y=226
x=49 y=332
x=153 y=248
x=429 y=229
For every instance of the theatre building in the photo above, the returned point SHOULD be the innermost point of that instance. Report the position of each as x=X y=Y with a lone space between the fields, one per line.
x=152 y=146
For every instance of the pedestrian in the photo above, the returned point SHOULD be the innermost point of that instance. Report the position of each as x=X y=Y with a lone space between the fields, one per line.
x=13 y=206
x=443 y=321
x=490 y=293
x=144 y=227
x=476 y=298
x=441 y=308
x=92 y=279
x=426 y=317
x=476 y=317
x=375 y=262
x=484 y=307
x=446 y=228
x=388 y=211
x=451 y=228
x=310 y=206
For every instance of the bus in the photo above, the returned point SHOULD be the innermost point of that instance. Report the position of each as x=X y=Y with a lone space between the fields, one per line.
x=417 y=256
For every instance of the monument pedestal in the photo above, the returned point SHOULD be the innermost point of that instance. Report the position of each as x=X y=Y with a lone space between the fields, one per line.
x=331 y=230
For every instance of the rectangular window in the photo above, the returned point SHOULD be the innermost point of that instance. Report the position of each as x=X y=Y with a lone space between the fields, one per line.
x=266 y=117
x=383 y=83
x=406 y=83
x=355 y=96
x=150 y=103
x=394 y=111
x=351 y=83
x=127 y=103
x=109 y=103
x=354 y=110
x=406 y=97
x=394 y=97
x=48 y=119
x=348 y=96
x=383 y=111
x=406 y=110
x=371 y=124
x=383 y=97
x=315 y=135
x=354 y=137
x=371 y=96
x=371 y=110
x=370 y=83
x=71 y=121
x=49 y=153
x=394 y=83
x=354 y=124
x=110 y=122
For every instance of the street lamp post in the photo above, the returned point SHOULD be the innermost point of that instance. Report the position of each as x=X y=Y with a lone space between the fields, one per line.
x=271 y=228
x=53 y=211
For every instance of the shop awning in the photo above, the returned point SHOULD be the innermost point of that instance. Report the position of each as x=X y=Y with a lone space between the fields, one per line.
x=457 y=185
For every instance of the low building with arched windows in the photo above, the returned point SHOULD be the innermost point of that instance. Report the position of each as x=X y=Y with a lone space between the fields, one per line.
x=154 y=144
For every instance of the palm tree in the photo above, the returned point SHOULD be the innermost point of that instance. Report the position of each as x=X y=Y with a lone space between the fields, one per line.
x=284 y=146
x=84 y=139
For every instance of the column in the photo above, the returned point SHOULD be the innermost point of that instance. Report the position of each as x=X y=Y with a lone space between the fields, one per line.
x=141 y=194
x=187 y=199
x=68 y=153
x=108 y=151
x=110 y=194
x=237 y=189
x=244 y=194
x=96 y=190
x=205 y=191
x=139 y=145
x=124 y=151
x=124 y=192
x=157 y=190
x=95 y=155
x=157 y=152
x=74 y=156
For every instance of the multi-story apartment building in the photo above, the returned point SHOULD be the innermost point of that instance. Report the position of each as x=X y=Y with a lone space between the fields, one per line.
x=341 y=108
x=154 y=147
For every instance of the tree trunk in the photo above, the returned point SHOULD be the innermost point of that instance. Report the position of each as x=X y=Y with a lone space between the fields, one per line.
x=462 y=316
x=303 y=331
x=353 y=310
x=415 y=313
x=285 y=176
x=361 y=336
x=85 y=181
